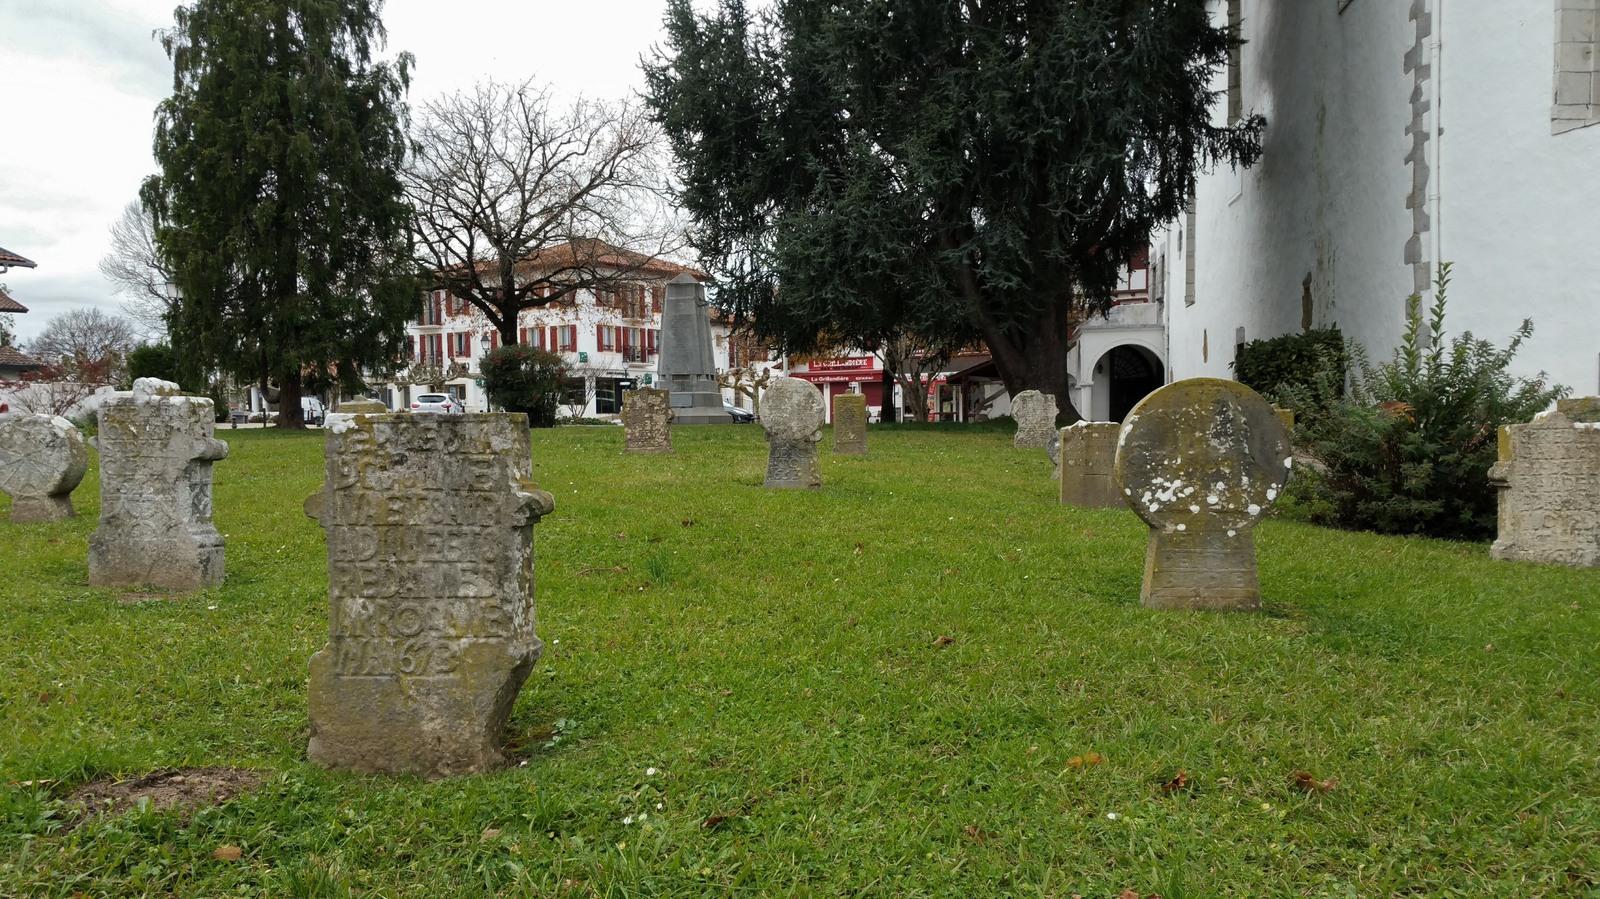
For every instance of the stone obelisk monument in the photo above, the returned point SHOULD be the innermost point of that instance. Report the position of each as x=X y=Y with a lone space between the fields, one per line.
x=686 y=366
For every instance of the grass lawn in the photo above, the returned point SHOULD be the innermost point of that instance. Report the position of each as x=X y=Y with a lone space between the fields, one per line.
x=927 y=679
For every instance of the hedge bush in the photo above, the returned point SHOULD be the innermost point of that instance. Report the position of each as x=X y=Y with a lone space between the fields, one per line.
x=525 y=379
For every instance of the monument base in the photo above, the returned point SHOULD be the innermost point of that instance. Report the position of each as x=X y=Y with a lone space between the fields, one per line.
x=172 y=564
x=1201 y=571
x=38 y=509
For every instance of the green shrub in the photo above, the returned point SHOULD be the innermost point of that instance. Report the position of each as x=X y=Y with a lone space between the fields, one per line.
x=1408 y=449
x=1293 y=362
x=525 y=379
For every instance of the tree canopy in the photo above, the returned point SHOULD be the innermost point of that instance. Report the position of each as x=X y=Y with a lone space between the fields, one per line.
x=279 y=209
x=973 y=167
x=521 y=202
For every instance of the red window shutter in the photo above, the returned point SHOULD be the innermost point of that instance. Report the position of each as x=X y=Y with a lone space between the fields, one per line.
x=655 y=297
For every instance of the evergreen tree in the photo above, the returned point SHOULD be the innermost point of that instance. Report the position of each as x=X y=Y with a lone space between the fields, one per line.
x=981 y=167
x=279 y=208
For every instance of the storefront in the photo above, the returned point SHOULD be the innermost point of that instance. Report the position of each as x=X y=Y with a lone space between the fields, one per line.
x=851 y=374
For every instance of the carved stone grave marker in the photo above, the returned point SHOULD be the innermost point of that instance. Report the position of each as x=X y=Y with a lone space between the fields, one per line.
x=1088 y=466
x=791 y=411
x=42 y=460
x=429 y=520
x=850 y=424
x=1201 y=461
x=1035 y=414
x=1548 y=479
x=647 y=420
x=156 y=450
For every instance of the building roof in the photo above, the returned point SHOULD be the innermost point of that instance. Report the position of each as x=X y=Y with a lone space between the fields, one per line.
x=7 y=304
x=583 y=255
x=15 y=359
x=9 y=259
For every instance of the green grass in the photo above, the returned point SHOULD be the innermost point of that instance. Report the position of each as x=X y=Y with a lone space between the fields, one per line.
x=775 y=657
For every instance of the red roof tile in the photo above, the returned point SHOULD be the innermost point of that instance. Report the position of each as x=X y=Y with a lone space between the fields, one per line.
x=7 y=304
x=11 y=357
x=9 y=258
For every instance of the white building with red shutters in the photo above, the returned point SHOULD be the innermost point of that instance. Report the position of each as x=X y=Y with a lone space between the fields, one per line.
x=609 y=337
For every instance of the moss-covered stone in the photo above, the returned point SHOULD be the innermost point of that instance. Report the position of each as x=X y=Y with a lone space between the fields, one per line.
x=1201 y=461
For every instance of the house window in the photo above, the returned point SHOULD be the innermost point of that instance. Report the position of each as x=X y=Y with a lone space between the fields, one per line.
x=461 y=345
x=568 y=342
x=430 y=308
x=1577 y=74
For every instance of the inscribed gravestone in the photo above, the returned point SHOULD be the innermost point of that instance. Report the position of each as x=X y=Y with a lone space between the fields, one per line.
x=1035 y=414
x=647 y=421
x=791 y=411
x=1201 y=461
x=1088 y=467
x=42 y=459
x=686 y=366
x=850 y=424
x=429 y=522
x=156 y=451
x=1548 y=480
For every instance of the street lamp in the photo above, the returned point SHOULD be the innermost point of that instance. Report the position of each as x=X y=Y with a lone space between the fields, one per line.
x=485 y=342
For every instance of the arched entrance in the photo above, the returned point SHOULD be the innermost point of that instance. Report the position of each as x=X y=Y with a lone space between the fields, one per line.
x=1132 y=373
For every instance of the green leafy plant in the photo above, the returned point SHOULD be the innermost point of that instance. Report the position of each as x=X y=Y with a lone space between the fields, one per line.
x=1315 y=361
x=1408 y=448
x=525 y=379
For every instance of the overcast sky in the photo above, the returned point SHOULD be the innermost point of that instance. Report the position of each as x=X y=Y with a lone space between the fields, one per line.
x=82 y=79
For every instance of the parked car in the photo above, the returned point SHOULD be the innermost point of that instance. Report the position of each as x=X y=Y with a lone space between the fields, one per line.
x=312 y=410
x=437 y=402
x=740 y=416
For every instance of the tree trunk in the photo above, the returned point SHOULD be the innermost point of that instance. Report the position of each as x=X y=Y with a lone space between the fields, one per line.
x=889 y=413
x=290 y=415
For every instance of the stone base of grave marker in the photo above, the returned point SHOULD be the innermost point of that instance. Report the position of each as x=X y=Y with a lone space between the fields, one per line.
x=429 y=520
x=42 y=459
x=850 y=424
x=156 y=450
x=1199 y=570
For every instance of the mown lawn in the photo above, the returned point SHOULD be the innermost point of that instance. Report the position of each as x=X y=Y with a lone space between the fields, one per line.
x=897 y=686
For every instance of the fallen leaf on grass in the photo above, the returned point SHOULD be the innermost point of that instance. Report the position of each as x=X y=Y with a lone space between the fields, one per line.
x=975 y=833
x=1304 y=781
x=489 y=834
x=858 y=549
x=1085 y=760
x=1179 y=781
x=714 y=821
x=688 y=522
x=229 y=853
x=943 y=641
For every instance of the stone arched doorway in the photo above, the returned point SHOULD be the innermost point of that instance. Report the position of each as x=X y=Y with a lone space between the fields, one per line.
x=1131 y=373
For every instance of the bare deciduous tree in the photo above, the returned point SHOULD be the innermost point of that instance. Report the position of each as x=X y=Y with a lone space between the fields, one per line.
x=86 y=344
x=137 y=270
x=520 y=204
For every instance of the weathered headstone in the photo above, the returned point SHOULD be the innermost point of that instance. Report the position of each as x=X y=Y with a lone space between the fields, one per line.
x=429 y=521
x=1201 y=461
x=1548 y=480
x=1088 y=467
x=156 y=450
x=791 y=411
x=647 y=421
x=1035 y=414
x=42 y=460
x=850 y=424
x=363 y=407
x=686 y=366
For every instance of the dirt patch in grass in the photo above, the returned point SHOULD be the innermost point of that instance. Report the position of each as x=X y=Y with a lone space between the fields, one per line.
x=187 y=789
